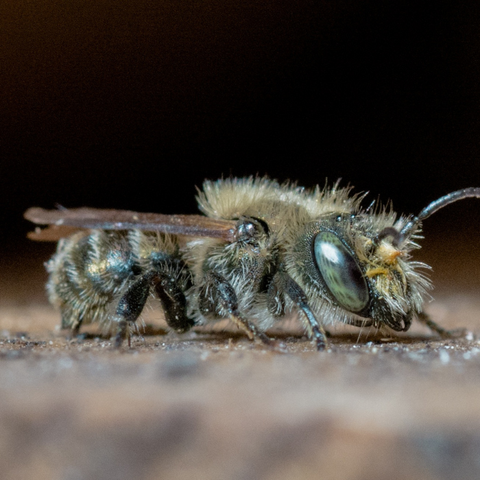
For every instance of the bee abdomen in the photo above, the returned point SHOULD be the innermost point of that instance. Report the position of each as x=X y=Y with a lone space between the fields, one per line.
x=86 y=274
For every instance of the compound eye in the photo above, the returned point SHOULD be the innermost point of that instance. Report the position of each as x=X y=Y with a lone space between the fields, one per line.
x=341 y=272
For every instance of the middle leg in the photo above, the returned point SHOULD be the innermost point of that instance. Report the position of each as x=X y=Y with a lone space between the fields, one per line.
x=218 y=297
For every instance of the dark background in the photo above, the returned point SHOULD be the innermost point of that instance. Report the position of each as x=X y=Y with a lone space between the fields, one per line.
x=132 y=103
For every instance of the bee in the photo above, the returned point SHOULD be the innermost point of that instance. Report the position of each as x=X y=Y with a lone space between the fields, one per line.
x=261 y=251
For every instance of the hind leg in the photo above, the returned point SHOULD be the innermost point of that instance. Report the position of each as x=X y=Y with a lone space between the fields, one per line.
x=133 y=301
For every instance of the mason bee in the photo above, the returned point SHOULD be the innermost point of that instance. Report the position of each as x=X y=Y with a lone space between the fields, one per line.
x=262 y=251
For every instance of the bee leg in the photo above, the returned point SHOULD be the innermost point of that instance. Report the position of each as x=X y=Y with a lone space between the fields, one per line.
x=297 y=295
x=72 y=327
x=130 y=307
x=133 y=301
x=76 y=328
x=435 y=327
x=71 y=320
x=217 y=295
x=276 y=301
x=173 y=302
x=122 y=333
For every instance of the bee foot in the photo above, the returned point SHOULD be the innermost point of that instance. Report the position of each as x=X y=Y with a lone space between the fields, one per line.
x=456 y=333
x=279 y=346
x=122 y=333
x=320 y=344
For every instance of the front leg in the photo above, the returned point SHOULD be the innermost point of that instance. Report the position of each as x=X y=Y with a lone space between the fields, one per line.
x=218 y=297
x=283 y=284
x=435 y=327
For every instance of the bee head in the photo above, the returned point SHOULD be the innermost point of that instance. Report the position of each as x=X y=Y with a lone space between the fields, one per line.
x=359 y=267
x=367 y=278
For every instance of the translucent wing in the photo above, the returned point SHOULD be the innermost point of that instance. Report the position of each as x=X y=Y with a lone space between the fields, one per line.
x=64 y=222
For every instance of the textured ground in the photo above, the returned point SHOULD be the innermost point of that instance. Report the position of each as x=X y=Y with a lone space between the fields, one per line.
x=212 y=405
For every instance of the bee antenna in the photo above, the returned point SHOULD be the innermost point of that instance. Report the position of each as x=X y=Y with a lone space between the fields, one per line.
x=429 y=210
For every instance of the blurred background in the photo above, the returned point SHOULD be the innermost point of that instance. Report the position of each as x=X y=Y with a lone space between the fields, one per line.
x=131 y=104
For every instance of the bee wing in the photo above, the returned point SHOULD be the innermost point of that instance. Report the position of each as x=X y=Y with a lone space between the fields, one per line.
x=64 y=222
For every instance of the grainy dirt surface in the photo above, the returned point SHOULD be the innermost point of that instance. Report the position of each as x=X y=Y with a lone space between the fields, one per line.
x=212 y=405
